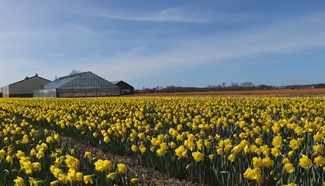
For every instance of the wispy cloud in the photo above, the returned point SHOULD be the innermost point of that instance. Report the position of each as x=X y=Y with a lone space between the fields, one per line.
x=51 y=39
x=52 y=54
x=289 y=35
x=23 y=66
x=166 y=15
x=272 y=62
x=79 y=28
x=111 y=32
x=136 y=51
x=18 y=63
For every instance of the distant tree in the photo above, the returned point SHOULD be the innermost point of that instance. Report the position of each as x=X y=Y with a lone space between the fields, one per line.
x=224 y=84
x=249 y=84
x=233 y=84
x=74 y=71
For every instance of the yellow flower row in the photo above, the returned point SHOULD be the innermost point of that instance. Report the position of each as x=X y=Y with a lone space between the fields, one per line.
x=264 y=140
x=34 y=156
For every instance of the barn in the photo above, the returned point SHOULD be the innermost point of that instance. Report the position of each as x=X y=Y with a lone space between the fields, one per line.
x=85 y=84
x=124 y=87
x=24 y=88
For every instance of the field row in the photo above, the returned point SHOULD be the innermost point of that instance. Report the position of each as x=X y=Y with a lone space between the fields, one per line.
x=216 y=141
x=287 y=92
x=33 y=156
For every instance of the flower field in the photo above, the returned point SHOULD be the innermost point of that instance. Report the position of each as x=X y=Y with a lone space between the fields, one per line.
x=240 y=141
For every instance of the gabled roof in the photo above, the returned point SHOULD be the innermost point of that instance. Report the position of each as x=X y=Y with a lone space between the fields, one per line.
x=59 y=82
x=35 y=76
x=66 y=79
x=73 y=75
x=63 y=80
x=116 y=82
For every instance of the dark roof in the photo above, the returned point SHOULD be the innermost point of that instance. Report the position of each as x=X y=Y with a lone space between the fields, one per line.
x=116 y=82
x=27 y=78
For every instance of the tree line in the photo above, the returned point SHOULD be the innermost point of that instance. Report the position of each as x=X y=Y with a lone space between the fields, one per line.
x=224 y=87
x=220 y=87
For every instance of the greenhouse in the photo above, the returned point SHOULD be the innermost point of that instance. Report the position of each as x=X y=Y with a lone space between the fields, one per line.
x=85 y=84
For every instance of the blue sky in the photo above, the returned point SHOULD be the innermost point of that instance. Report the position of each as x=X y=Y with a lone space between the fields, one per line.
x=150 y=43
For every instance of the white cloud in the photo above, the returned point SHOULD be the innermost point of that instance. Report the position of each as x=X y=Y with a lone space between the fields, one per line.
x=111 y=32
x=172 y=14
x=286 y=36
x=79 y=28
x=177 y=15
x=22 y=66
x=18 y=63
x=52 y=54
x=71 y=42
x=136 y=51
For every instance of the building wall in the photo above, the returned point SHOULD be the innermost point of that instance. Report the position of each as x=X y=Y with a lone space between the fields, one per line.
x=87 y=81
x=124 y=85
x=5 y=91
x=88 y=94
x=1 y=92
x=26 y=88
x=48 y=93
x=88 y=84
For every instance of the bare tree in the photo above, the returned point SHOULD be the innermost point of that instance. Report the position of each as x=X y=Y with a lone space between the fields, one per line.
x=74 y=71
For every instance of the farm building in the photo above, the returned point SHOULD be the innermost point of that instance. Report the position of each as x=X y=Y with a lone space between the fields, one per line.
x=24 y=88
x=124 y=87
x=85 y=84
